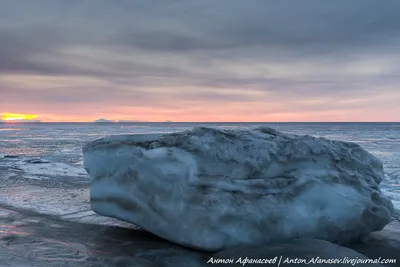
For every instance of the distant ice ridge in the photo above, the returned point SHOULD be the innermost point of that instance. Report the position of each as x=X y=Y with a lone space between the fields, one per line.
x=209 y=188
x=53 y=168
x=37 y=168
x=102 y=120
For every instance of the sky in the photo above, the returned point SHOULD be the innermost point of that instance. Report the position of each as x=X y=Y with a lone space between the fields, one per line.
x=208 y=60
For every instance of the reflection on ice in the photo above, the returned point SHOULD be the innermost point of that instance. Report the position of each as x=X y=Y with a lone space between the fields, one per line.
x=68 y=204
x=47 y=242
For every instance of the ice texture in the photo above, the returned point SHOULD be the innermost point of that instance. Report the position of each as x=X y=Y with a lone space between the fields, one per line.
x=210 y=189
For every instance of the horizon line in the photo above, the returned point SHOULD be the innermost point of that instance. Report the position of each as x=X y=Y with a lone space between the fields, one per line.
x=187 y=122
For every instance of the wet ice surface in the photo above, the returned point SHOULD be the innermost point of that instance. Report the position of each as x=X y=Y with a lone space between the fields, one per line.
x=30 y=239
x=65 y=197
x=41 y=171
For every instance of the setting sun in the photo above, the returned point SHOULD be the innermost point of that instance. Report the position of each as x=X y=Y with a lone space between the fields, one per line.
x=13 y=116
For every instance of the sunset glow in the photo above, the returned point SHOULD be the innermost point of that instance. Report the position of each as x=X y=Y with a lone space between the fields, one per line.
x=14 y=117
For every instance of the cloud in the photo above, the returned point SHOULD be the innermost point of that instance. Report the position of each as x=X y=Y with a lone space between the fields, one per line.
x=226 y=29
x=173 y=54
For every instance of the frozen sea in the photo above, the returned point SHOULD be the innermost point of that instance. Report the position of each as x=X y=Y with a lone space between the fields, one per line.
x=41 y=173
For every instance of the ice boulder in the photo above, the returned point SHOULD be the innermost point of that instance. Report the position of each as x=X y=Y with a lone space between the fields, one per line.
x=209 y=188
